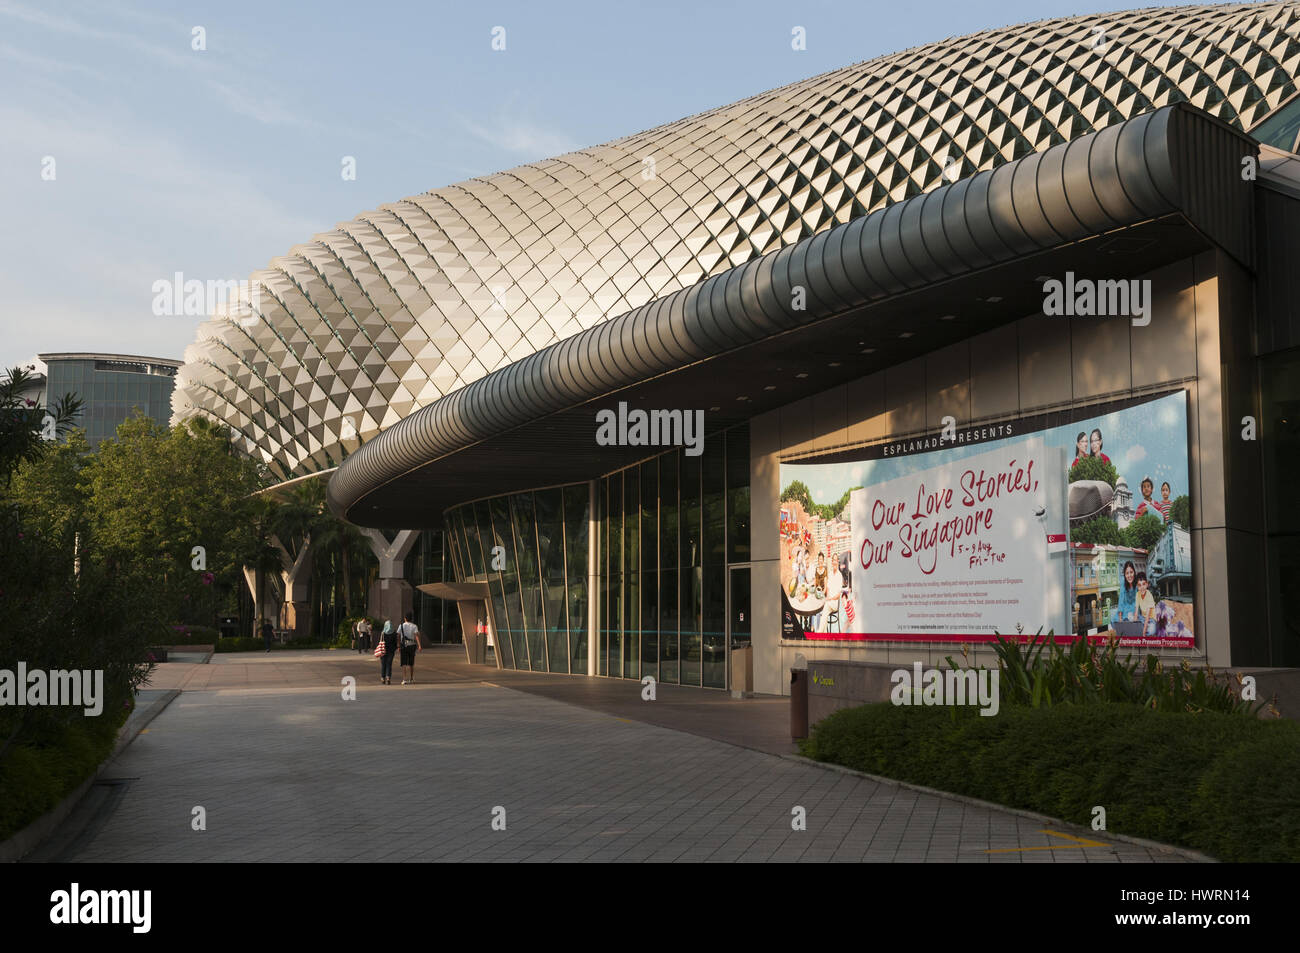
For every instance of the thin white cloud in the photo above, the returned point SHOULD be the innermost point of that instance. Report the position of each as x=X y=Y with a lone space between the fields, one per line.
x=521 y=137
x=269 y=112
x=33 y=61
x=177 y=55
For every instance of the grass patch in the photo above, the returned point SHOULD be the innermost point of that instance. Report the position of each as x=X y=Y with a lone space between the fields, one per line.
x=1217 y=783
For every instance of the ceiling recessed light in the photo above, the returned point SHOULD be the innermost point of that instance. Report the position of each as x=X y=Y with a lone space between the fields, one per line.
x=742 y=398
x=801 y=375
x=833 y=364
x=947 y=317
x=714 y=410
x=869 y=350
x=770 y=387
x=906 y=334
x=994 y=299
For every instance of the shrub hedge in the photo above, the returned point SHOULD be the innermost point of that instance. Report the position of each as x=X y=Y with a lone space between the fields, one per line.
x=244 y=643
x=1217 y=783
x=193 y=635
x=40 y=772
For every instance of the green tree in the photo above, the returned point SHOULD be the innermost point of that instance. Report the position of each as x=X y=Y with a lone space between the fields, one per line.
x=1180 y=511
x=177 y=504
x=300 y=516
x=52 y=490
x=27 y=428
x=340 y=541
x=830 y=511
x=61 y=606
x=1144 y=532
x=797 y=492
x=1094 y=468
x=259 y=553
x=1100 y=529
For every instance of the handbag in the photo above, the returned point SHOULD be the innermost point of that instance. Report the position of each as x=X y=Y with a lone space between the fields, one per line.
x=381 y=649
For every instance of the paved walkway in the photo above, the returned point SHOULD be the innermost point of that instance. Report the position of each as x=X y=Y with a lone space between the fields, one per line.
x=287 y=770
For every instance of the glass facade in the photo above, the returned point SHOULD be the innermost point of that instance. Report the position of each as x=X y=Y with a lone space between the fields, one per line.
x=428 y=562
x=669 y=529
x=111 y=390
x=531 y=550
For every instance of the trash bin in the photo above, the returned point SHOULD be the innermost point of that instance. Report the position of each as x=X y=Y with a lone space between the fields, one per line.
x=798 y=703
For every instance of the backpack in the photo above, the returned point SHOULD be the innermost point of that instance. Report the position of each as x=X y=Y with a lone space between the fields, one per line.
x=408 y=639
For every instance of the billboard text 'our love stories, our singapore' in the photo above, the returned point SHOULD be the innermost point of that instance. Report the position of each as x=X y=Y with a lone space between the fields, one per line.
x=1075 y=522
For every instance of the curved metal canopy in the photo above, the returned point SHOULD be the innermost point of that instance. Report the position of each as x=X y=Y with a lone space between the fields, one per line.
x=1173 y=162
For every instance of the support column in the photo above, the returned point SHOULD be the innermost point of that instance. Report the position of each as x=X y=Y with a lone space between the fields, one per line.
x=391 y=596
x=250 y=577
x=297 y=587
x=271 y=591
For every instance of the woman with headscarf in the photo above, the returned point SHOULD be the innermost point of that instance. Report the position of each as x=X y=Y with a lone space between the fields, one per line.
x=389 y=641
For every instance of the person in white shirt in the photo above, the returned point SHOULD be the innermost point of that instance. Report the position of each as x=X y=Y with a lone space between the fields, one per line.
x=408 y=638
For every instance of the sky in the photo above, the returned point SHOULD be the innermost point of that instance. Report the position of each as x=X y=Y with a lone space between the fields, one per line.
x=1147 y=440
x=138 y=140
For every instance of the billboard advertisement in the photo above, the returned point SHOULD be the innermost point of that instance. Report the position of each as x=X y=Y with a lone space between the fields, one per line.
x=1074 y=522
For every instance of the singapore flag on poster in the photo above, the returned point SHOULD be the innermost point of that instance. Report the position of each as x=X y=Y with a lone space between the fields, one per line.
x=962 y=548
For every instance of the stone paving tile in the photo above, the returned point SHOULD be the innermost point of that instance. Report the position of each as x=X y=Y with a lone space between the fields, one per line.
x=289 y=771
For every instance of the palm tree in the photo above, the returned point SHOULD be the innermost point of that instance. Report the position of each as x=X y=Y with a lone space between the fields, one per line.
x=336 y=535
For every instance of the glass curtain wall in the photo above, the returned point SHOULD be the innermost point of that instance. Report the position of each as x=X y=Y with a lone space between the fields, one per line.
x=429 y=562
x=531 y=550
x=670 y=527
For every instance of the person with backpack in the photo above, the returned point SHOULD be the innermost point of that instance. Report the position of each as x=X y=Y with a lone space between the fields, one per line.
x=408 y=634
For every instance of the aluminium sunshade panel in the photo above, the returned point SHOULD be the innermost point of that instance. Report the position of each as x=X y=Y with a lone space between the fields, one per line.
x=366 y=323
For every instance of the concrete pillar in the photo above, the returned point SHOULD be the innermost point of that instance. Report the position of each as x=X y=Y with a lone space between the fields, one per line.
x=250 y=577
x=268 y=607
x=391 y=596
x=296 y=574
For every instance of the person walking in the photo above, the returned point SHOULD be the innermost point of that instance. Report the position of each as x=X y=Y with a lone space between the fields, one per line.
x=267 y=634
x=409 y=634
x=363 y=635
x=388 y=642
